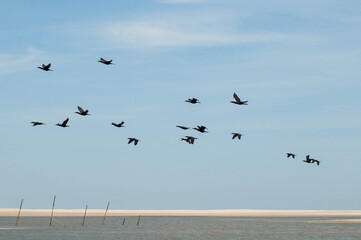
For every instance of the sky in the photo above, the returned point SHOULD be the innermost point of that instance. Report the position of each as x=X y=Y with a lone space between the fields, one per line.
x=296 y=62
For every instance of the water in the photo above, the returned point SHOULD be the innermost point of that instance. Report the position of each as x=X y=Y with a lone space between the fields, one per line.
x=171 y=228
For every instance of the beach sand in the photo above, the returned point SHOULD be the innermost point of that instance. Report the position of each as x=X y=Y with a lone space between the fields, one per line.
x=12 y=212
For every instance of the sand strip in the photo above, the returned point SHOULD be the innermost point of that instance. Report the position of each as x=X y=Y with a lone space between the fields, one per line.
x=181 y=213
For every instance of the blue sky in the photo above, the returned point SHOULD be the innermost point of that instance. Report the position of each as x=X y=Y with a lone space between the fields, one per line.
x=296 y=63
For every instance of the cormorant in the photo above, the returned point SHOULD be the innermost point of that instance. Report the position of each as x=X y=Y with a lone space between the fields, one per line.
x=238 y=101
x=46 y=67
x=63 y=124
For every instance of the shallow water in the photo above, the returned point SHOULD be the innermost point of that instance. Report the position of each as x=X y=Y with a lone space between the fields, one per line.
x=37 y=228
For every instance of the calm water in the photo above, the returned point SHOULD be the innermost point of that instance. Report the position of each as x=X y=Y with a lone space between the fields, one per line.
x=37 y=228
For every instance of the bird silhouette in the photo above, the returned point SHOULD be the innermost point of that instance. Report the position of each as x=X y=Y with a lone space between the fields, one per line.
x=238 y=101
x=102 y=60
x=82 y=112
x=37 y=124
x=316 y=161
x=201 y=129
x=236 y=135
x=133 y=140
x=46 y=67
x=189 y=139
x=308 y=159
x=119 y=125
x=182 y=127
x=291 y=155
x=63 y=124
x=192 y=100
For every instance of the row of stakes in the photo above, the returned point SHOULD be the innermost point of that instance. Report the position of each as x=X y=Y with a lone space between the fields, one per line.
x=52 y=214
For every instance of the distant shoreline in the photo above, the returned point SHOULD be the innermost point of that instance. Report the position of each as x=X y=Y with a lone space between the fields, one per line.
x=12 y=212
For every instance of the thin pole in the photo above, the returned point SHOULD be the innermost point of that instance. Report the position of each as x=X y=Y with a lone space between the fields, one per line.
x=21 y=205
x=105 y=214
x=86 y=208
x=123 y=221
x=52 y=211
x=138 y=220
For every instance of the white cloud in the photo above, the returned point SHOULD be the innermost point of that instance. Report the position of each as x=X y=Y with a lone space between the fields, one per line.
x=186 y=29
x=12 y=63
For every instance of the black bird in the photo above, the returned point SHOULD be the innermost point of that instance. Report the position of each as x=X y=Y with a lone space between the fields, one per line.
x=201 y=129
x=133 y=140
x=189 y=139
x=46 y=67
x=192 y=100
x=183 y=127
x=291 y=155
x=82 y=112
x=102 y=60
x=119 y=125
x=236 y=135
x=308 y=159
x=238 y=101
x=37 y=123
x=316 y=161
x=63 y=124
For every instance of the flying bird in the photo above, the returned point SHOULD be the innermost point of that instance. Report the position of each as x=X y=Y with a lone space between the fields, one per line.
x=189 y=139
x=63 y=124
x=238 y=101
x=308 y=159
x=192 y=100
x=291 y=155
x=82 y=112
x=46 y=67
x=133 y=140
x=201 y=129
x=236 y=135
x=37 y=124
x=316 y=161
x=182 y=127
x=119 y=125
x=102 y=60
x=311 y=160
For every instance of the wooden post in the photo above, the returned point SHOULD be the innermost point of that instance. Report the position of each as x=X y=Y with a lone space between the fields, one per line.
x=138 y=220
x=123 y=221
x=52 y=211
x=105 y=214
x=21 y=205
x=86 y=208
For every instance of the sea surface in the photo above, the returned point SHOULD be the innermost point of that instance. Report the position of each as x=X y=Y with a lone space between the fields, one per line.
x=63 y=228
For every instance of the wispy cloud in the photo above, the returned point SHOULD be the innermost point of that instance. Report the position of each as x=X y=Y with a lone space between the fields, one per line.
x=12 y=63
x=178 y=30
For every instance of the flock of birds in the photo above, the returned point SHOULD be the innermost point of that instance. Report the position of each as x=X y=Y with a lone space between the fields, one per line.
x=188 y=139
x=307 y=160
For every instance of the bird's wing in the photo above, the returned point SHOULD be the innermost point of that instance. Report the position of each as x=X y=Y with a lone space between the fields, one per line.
x=80 y=109
x=47 y=66
x=136 y=142
x=130 y=140
x=66 y=121
x=236 y=97
x=234 y=135
x=121 y=123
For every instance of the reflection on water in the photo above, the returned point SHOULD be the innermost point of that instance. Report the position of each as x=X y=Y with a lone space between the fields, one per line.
x=176 y=228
